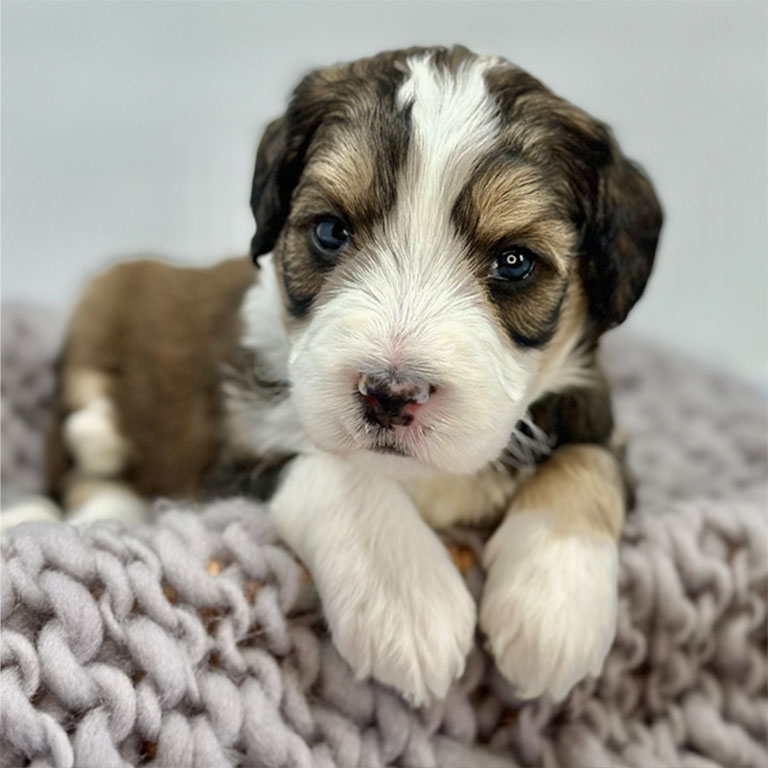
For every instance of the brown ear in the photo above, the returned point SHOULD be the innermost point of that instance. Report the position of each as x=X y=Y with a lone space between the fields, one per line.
x=620 y=240
x=265 y=190
x=280 y=161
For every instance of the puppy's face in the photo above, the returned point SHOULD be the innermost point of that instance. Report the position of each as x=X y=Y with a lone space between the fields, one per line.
x=449 y=238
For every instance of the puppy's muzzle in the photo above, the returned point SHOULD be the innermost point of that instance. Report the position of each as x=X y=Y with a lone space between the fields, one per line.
x=390 y=399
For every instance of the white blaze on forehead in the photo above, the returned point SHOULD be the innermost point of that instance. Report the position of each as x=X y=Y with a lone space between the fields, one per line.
x=454 y=123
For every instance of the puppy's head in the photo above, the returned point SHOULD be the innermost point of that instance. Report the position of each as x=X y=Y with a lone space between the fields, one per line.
x=447 y=235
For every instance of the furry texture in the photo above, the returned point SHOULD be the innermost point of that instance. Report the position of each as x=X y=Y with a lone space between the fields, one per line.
x=439 y=220
x=437 y=164
x=396 y=606
x=199 y=641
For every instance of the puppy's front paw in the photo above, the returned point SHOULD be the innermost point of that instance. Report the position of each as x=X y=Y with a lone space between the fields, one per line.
x=549 y=605
x=410 y=627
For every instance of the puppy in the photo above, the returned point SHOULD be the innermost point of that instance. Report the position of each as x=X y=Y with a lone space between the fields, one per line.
x=440 y=243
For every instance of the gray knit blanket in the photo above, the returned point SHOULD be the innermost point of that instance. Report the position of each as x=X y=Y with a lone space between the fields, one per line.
x=197 y=640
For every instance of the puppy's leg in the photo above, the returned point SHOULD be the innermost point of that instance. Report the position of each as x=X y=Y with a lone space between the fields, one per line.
x=549 y=605
x=90 y=430
x=99 y=452
x=89 y=500
x=33 y=509
x=396 y=605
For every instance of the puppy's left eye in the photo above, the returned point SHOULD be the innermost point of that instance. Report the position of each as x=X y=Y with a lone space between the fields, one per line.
x=514 y=264
x=330 y=234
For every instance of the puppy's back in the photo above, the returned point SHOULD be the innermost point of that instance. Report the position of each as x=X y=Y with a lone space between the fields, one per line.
x=138 y=386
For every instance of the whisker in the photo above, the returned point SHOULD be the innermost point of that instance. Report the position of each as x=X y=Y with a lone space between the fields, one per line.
x=527 y=444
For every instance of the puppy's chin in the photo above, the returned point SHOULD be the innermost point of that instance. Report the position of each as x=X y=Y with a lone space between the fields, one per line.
x=390 y=462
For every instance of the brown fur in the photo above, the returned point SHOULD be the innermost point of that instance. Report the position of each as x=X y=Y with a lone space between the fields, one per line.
x=582 y=486
x=151 y=337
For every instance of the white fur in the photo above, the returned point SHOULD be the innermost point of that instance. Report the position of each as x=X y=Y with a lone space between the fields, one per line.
x=549 y=605
x=35 y=509
x=396 y=605
x=570 y=367
x=91 y=435
x=114 y=501
x=446 y=500
x=258 y=422
x=262 y=312
x=454 y=124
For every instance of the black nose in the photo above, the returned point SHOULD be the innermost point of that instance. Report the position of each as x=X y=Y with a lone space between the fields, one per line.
x=385 y=397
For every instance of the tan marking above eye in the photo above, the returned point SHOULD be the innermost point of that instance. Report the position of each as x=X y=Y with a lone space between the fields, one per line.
x=312 y=202
x=513 y=205
x=342 y=169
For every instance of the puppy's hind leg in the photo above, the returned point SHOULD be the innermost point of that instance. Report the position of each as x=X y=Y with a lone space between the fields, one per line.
x=94 y=440
x=99 y=452
x=91 y=500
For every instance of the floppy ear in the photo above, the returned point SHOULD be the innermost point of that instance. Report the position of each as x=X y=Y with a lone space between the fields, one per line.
x=280 y=161
x=267 y=204
x=620 y=240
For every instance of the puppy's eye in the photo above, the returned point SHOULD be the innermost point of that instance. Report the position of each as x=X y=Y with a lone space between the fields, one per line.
x=330 y=235
x=514 y=264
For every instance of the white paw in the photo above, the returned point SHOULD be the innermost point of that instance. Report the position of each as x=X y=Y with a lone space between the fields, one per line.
x=396 y=605
x=92 y=437
x=411 y=627
x=549 y=605
x=113 y=502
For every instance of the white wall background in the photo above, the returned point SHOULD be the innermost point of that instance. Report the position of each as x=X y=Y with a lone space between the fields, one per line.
x=131 y=127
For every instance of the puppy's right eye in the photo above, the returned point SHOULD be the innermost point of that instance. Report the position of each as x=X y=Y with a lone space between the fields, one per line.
x=330 y=235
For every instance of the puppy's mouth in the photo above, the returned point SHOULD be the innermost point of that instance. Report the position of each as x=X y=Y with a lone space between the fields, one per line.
x=385 y=441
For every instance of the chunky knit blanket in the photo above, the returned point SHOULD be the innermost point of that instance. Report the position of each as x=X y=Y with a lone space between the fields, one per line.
x=197 y=640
